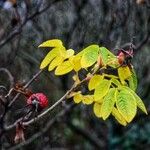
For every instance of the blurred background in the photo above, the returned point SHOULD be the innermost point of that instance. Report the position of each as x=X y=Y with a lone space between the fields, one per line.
x=78 y=23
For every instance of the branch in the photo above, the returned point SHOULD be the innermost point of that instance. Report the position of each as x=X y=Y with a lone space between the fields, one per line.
x=146 y=37
x=8 y=105
x=87 y=135
x=45 y=129
x=11 y=78
x=42 y=114
x=50 y=108
x=19 y=29
x=143 y=41
x=27 y=84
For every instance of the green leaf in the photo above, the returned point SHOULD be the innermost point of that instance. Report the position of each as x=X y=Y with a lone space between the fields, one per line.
x=139 y=102
x=119 y=117
x=49 y=57
x=90 y=56
x=116 y=82
x=88 y=99
x=55 y=62
x=110 y=76
x=97 y=110
x=106 y=55
x=133 y=80
x=94 y=81
x=126 y=105
x=102 y=89
x=52 y=43
x=64 y=68
x=124 y=73
x=108 y=103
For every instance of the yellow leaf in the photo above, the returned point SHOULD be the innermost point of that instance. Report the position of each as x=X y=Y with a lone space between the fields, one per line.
x=126 y=105
x=80 y=53
x=55 y=62
x=69 y=53
x=88 y=99
x=52 y=43
x=76 y=79
x=119 y=117
x=76 y=62
x=97 y=110
x=94 y=81
x=124 y=73
x=78 y=98
x=102 y=89
x=108 y=103
x=63 y=52
x=64 y=68
x=116 y=82
x=72 y=94
x=49 y=57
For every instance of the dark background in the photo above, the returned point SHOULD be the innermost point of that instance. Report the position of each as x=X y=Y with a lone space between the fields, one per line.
x=78 y=23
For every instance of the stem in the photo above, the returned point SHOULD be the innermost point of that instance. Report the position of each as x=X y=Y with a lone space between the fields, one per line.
x=27 y=84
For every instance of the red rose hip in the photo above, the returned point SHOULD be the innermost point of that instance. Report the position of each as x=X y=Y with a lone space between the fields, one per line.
x=38 y=100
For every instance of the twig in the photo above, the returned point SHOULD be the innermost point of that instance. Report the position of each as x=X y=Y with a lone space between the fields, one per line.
x=42 y=114
x=87 y=135
x=19 y=29
x=30 y=81
x=11 y=78
x=8 y=106
x=46 y=127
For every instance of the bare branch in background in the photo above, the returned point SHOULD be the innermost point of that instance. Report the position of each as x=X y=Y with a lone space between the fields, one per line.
x=18 y=30
x=10 y=77
x=50 y=123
